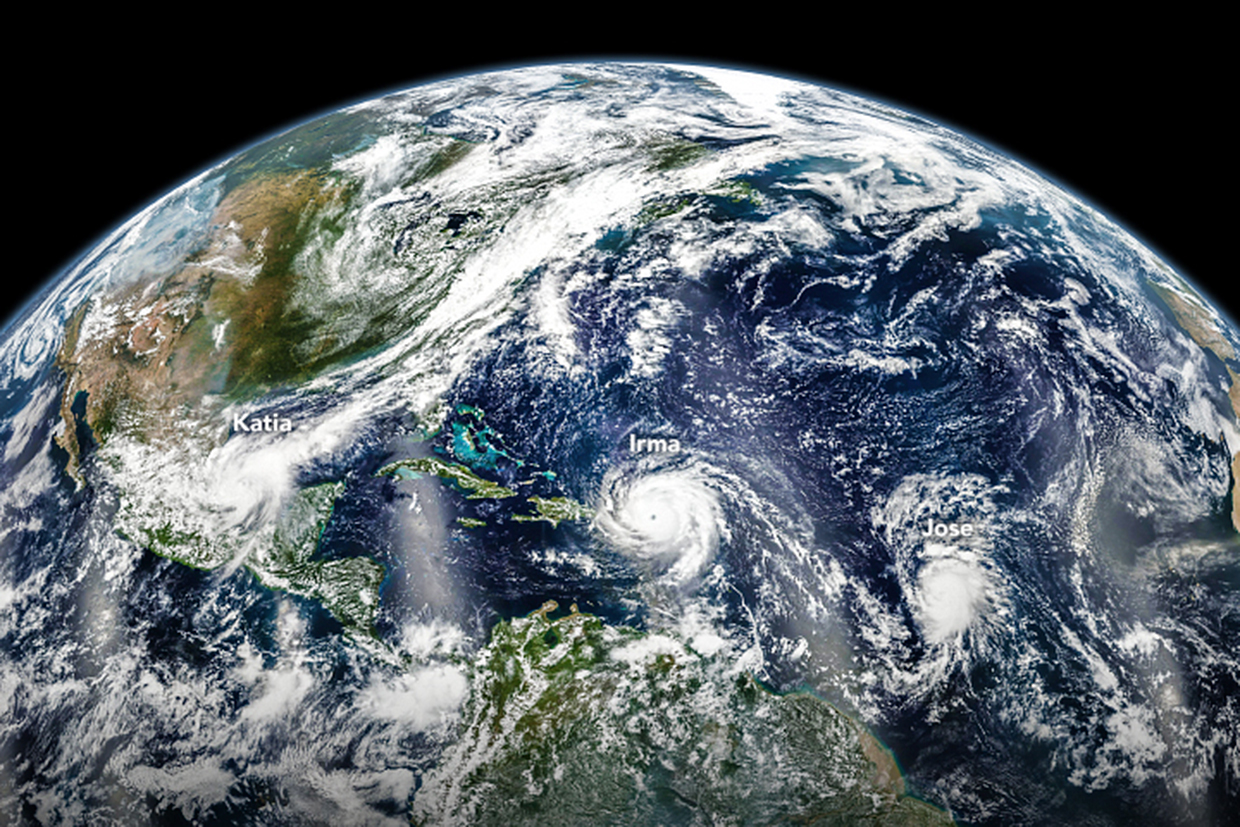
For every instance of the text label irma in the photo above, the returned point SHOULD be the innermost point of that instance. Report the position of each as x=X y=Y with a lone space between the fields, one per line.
x=653 y=445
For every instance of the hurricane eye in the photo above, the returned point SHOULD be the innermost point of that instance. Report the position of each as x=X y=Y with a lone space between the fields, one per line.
x=670 y=519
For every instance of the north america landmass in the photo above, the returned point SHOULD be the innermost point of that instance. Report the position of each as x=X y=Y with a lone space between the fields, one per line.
x=165 y=362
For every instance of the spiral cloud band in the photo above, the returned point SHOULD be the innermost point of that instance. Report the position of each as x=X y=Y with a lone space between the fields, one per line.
x=671 y=519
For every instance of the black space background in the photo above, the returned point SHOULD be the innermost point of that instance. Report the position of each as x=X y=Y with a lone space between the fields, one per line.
x=1130 y=117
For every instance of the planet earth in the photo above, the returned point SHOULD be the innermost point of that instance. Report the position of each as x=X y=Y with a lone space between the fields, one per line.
x=619 y=443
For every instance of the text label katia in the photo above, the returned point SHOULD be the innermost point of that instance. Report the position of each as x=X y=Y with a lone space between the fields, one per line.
x=269 y=423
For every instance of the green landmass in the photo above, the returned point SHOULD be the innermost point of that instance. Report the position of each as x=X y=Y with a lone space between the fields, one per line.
x=274 y=342
x=674 y=153
x=738 y=192
x=660 y=208
x=314 y=145
x=555 y=510
x=571 y=721
x=285 y=560
x=480 y=446
x=348 y=588
x=447 y=155
x=476 y=487
x=249 y=308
